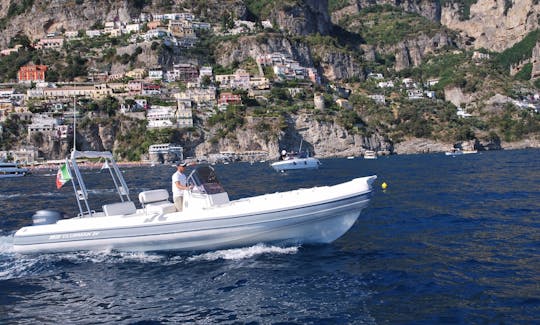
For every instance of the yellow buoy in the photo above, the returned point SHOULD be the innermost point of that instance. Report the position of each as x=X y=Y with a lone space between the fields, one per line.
x=384 y=185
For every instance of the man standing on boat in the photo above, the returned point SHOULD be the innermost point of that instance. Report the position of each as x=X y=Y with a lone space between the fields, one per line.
x=179 y=185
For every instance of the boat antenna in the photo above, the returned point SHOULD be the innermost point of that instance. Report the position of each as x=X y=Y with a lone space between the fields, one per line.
x=74 y=125
x=300 y=149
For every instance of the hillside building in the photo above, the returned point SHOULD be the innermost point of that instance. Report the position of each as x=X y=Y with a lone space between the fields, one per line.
x=32 y=73
x=50 y=43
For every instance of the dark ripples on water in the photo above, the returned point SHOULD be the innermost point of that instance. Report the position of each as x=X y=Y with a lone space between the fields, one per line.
x=452 y=240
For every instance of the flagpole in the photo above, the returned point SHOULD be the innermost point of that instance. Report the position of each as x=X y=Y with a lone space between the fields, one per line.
x=73 y=162
x=75 y=189
x=74 y=126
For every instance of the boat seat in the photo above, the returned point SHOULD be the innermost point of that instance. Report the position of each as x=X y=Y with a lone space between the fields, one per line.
x=156 y=201
x=120 y=208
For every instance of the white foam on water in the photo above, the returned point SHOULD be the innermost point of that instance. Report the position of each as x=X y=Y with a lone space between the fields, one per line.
x=11 y=265
x=16 y=195
x=14 y=265
x=243 y=253
x=108 y=256
x=45 y=175
x=9 y=196
x=101 y=191
x=6 y=244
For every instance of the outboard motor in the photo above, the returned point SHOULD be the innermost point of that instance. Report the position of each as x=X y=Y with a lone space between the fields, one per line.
x=46 y=217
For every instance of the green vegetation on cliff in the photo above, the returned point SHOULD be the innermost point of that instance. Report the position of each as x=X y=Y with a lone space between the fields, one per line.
x=386 y=25
x=464 y=7
x=263 y=8
x=13 y=129
x=521 y=51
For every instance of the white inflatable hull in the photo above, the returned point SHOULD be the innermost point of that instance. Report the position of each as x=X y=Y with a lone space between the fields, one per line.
x=305 y=216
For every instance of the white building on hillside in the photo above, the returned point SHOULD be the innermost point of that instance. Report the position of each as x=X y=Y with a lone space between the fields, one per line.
x=462 y=113
x=179 y=116
x=161 y=116
x=184 y=115
x=42 y=123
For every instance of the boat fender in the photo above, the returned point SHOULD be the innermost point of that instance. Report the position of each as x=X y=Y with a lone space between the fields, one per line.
x=46 y=217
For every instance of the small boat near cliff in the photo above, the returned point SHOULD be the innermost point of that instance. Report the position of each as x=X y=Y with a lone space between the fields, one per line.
x=209 y=220
x=295 y=160
x=454 y=152
x=370 y=154
x=458 y=152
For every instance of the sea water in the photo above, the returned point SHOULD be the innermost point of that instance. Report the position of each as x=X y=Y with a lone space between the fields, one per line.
x=451 y=240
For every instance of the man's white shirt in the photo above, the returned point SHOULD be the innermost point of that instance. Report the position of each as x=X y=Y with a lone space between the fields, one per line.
x=178 y=177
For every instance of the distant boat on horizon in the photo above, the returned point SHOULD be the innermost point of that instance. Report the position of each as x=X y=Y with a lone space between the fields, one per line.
x=458 y=152
x=105 y=166
x=370 y=154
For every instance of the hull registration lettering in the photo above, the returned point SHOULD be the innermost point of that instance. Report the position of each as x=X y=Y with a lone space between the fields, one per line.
x=74 y=235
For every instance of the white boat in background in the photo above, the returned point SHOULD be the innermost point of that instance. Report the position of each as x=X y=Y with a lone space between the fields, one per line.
x=454 y=152
x=295 y=160
x=458 y=152
x=8 y=170
x=209 y=220
x=370 y=154
x=105 y=166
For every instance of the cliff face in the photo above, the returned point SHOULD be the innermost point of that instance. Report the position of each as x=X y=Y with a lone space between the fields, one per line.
x=251 y=46
x=411 y=52
x=335 y=64
x=338 y=65
x=322 y=139
x=331 y=139
x=427 y=8
x=51 y=16
x=49 y=147
x=491 y=25
x=306 y=17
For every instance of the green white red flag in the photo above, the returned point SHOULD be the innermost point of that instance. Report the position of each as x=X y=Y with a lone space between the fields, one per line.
x=63 y=176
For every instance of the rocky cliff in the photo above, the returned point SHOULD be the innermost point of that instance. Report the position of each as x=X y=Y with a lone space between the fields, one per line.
x=52 y=16
x=303 y=17
x=494 y=24
x=491 y=24
x=320 y=138
x=427 y=8
x=245 y=47
x=411 y=52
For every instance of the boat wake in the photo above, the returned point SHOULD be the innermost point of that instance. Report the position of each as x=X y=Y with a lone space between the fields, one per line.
x=243 y=253
x=6 y=244
x=16 y=195
x=13 y=265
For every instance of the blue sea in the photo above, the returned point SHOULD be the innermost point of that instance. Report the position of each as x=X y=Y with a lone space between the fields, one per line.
x=452 y=240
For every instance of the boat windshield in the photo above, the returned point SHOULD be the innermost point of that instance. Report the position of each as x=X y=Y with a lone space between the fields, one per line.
x=204 y=180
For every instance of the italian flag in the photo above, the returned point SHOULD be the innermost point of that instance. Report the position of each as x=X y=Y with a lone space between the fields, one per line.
x=63 y=176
